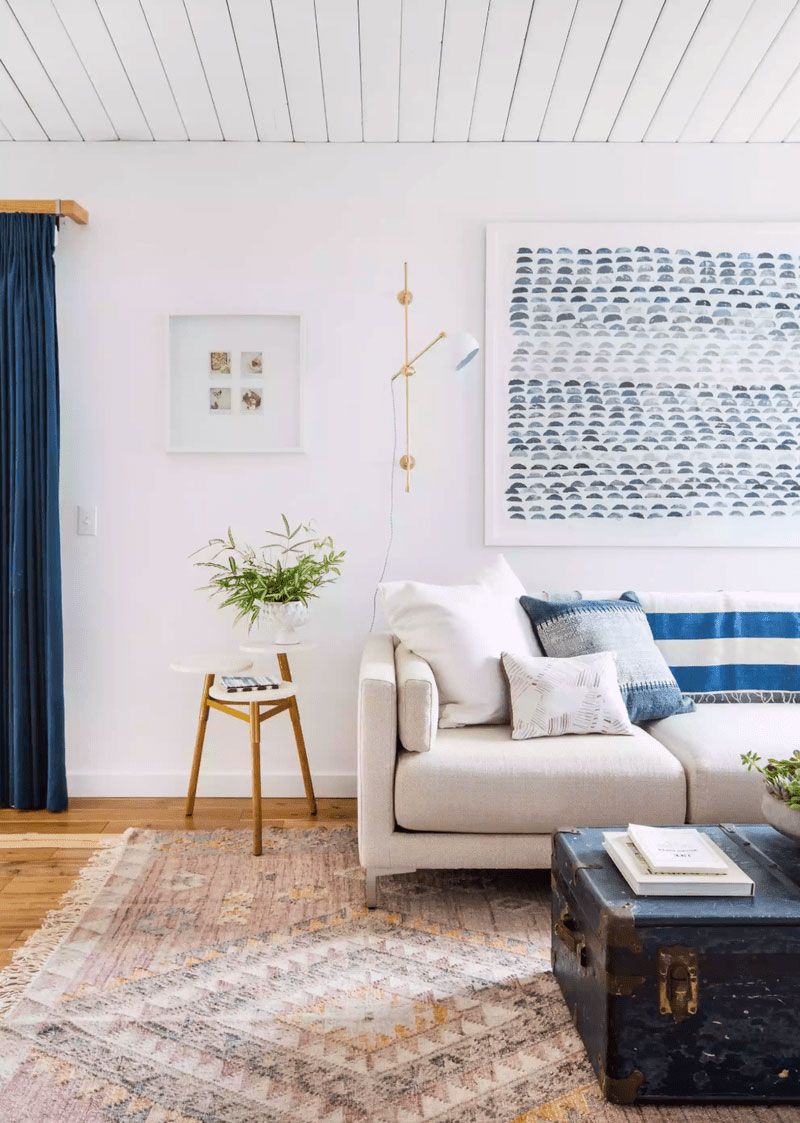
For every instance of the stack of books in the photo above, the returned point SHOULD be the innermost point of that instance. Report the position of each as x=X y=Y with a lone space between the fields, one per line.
x=241 y=684
x=675 y=862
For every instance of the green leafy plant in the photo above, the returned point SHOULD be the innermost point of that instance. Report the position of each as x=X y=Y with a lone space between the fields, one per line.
x=292 y=566
x=782 y=777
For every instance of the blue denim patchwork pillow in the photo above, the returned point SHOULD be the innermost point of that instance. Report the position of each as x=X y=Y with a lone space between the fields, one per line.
x=584 y=627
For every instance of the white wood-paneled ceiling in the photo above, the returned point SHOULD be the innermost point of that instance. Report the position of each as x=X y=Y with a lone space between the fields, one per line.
x=400 y=70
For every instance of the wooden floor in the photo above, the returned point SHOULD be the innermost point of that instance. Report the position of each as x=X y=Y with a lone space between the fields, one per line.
x=32 y=881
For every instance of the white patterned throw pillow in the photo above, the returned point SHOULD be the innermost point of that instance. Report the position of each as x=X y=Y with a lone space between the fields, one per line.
x=551 y=697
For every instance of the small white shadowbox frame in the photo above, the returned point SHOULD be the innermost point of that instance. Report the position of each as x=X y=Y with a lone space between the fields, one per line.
x=277 y=425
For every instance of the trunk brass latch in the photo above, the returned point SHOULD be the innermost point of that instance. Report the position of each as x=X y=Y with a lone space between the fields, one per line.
x=677 y=982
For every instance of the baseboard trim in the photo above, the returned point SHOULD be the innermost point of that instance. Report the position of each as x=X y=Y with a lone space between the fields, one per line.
x=282 y=784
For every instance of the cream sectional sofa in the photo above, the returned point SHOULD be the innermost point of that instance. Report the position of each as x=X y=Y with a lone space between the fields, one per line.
x=472 y=797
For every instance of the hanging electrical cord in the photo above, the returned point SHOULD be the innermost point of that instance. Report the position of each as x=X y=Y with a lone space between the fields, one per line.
x=391 y=506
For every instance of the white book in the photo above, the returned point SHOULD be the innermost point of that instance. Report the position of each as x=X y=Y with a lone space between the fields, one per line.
x=734 y=882
x=676 y=850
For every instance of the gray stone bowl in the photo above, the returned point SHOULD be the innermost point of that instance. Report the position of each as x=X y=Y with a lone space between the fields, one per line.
x=781 y=816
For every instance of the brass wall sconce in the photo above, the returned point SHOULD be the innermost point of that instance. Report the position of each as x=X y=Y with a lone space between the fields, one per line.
x=464 y=348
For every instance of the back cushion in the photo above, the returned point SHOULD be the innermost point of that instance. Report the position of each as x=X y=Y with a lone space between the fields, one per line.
x=461 y=631
x=729 y=647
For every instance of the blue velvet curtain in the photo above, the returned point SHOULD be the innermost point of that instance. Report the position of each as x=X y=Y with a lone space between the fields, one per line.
x=32 y=767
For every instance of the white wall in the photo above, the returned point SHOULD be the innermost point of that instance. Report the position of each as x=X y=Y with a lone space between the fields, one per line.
x=324 y=229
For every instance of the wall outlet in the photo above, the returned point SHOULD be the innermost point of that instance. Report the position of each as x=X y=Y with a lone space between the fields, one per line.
x=87 y=520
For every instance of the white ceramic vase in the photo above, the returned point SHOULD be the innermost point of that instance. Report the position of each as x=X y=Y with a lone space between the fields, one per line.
x=279 y=623
x=781 y=816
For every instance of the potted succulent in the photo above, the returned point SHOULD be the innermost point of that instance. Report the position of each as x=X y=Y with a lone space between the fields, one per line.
x=781 y=802
x=271 y=585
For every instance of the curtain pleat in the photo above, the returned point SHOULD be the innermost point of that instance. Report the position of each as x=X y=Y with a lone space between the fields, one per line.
x=32 y=758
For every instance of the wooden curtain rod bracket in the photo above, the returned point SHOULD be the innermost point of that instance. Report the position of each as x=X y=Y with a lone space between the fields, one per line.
x=64 y=208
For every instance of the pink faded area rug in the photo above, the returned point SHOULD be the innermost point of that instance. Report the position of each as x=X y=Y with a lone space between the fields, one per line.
x=184 y=981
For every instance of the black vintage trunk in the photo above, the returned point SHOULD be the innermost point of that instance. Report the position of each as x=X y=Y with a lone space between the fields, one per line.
x=683 y=998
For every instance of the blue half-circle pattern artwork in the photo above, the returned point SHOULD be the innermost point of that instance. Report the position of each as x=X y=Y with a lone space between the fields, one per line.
x=652 y=383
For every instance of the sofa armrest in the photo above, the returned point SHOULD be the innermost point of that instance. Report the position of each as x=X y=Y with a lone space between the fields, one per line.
x=417 y=701
x=377 y=749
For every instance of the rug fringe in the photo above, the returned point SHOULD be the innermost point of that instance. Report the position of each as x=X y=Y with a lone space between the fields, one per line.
x=58 y=923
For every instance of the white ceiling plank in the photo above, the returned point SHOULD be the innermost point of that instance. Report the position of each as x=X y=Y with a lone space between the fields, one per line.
x=547 y=35
x=420 y=59
x=658 y=71
x=780 y=121
x=32 y=80
x=751 y=42
x=219 y=53
x=588 y=36
x=665 y=48
x=462 y=47
x=502 y=51
x=765 y=85
x=129 y=29
x=337 y=28
x=40 y=22
x=713 y=37
x=632 y=29
x=90 y=38
x=15 y=112
x=379 y=31
x=173 y=37
x=299 y=47
x=254 y=25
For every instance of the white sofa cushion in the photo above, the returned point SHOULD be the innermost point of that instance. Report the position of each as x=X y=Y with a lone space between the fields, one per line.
x=479 y=781
x=417 y=701
x=709 y=742
x=460 y=631
x=553 y=697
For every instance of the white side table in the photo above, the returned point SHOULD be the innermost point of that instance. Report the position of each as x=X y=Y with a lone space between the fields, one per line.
x=254 y=707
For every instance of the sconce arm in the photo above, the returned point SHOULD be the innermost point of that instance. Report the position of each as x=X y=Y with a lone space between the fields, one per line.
x=442 y=335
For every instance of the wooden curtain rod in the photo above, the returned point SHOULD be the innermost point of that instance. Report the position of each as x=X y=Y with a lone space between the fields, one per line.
x=66 y=208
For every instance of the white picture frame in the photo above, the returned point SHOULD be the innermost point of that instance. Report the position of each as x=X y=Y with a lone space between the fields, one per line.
x=233 y=407
x=502 y=243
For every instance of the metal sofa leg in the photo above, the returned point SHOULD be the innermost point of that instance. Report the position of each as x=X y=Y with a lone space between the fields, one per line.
x=373 y=873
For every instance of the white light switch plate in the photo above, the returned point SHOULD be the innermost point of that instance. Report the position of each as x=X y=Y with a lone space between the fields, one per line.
x=87 y=520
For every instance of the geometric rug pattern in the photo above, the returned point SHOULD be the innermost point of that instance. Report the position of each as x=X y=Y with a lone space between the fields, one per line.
x=194 y=983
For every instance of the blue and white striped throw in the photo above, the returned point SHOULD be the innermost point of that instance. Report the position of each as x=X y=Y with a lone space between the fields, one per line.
x=729 y=647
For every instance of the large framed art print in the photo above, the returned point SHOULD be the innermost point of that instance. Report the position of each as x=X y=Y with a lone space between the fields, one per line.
x=643 y=384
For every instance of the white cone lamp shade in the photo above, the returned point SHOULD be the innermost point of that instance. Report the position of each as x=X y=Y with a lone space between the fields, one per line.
x=463 y=349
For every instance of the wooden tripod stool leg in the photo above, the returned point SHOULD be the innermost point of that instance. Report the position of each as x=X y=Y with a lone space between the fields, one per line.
x=198 y=746
x=299 y=739
x=255 y=747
